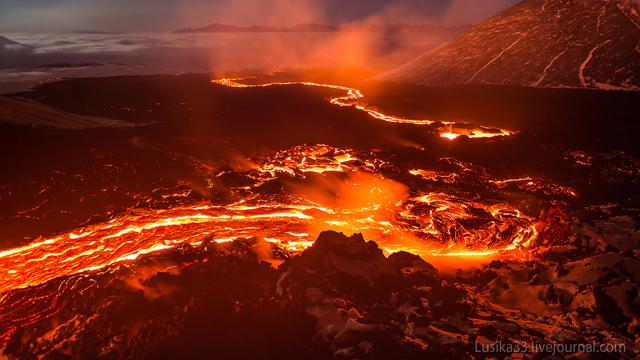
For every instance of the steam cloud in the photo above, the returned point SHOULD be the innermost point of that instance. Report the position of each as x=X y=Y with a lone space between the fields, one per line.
x=365 y=41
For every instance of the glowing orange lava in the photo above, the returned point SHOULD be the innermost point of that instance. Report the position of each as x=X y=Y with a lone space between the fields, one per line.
x=450 y=136
x=128 y=237
x=352 y=97
x=363 y=201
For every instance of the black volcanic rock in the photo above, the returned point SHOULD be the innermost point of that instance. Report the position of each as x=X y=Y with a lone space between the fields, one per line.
x=540 y=43
x=185 y=303
x=341 y=298
x=414 y=269
x=340 y=264
x=363 y=302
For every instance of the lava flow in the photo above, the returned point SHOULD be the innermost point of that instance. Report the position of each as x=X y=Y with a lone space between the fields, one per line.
x=446 y=129
x=326 y=188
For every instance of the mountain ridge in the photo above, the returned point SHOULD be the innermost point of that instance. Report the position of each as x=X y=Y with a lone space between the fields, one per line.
x=540 y=43
x=321 y=28
x=225 y=28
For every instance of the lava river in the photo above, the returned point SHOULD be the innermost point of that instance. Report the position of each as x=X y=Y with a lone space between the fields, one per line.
x=352 y=96
x=360 y=199
x=323 y=188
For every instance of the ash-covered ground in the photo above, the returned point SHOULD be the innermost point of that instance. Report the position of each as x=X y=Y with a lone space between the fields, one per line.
x=175 y=217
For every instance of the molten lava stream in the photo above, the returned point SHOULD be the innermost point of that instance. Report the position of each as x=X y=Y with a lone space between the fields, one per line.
x=291 y=226
x=352 y=96
x=130 y=236
x=362 y=201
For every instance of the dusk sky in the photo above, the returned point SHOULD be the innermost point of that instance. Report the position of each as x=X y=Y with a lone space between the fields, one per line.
x=167 y=15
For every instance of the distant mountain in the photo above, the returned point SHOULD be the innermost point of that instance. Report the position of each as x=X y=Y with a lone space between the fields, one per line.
x=222 y=28
x=94 y=32
x=8 y=44
x=13 y=53
x=320 y=28
x=314 y=28
x=6 y=41
x=540 y=43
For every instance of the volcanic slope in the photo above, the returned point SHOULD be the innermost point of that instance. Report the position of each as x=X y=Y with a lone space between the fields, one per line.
x=540 y=43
